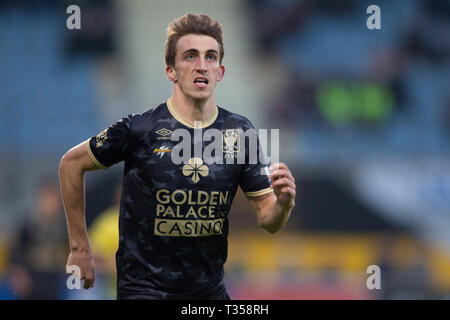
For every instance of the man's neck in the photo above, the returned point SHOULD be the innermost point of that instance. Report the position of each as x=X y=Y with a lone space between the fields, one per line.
x=194 y=110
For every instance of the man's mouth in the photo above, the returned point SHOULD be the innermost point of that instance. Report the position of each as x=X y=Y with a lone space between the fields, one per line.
x=201 y=82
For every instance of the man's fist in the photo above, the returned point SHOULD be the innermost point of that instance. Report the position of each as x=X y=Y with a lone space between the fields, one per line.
x=283 y=184
x=85 y=261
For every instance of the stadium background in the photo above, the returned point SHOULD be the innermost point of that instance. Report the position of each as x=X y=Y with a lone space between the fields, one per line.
x=364 y=118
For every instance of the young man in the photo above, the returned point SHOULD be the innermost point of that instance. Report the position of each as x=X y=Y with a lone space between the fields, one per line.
x=173 y=221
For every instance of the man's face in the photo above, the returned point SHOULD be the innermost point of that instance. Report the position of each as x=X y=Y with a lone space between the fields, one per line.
x=197 y=68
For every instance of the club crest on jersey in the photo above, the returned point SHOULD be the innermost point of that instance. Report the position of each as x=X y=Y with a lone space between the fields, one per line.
x=231 y=142
x=164 y=134
x=101 y=138
x=162 y=150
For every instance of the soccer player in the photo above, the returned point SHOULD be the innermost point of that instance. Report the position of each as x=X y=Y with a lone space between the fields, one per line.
x=173 y=221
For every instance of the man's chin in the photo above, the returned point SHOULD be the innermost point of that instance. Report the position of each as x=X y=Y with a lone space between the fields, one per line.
x=200 y=96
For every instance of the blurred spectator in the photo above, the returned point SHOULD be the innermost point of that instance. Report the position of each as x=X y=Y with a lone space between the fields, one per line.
x=40 y=250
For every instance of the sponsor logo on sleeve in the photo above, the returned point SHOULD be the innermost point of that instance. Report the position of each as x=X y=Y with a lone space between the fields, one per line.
x=101 y=138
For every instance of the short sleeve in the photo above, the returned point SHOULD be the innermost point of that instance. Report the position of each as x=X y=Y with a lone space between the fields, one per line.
x=254 y=179
x=112 y=145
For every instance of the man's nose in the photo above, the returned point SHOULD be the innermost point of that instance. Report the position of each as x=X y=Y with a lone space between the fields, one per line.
x=201 y=65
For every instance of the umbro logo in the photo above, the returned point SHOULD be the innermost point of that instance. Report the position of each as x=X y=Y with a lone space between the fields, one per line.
x=164 y=134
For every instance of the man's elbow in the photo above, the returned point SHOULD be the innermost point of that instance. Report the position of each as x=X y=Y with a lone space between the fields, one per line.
x=64 y=162
x=67 y=163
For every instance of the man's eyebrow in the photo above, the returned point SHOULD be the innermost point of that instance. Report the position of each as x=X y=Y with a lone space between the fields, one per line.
x=192 y=50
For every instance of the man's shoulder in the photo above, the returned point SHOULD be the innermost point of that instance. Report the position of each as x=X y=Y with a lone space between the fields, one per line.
x=148 y=114
x=142 y=122
x=233 y=118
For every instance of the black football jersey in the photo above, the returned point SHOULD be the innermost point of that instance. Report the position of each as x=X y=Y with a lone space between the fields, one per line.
x=173 y=223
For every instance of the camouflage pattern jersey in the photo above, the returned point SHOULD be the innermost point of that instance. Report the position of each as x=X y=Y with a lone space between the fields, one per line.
x=173 y=222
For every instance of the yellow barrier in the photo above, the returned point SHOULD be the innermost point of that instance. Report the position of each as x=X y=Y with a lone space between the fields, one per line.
x=344 y=253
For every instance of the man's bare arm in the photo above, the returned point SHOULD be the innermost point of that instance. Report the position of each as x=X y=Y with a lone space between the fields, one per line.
x=72 y=167
x=274 y=209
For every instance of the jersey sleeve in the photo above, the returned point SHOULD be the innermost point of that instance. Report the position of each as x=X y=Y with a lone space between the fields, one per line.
x=254 y=179
x=112 y=145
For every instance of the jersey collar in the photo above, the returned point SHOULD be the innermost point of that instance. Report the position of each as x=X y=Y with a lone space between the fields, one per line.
x=174 y=112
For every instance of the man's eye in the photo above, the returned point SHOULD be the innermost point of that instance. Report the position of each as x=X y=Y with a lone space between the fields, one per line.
x=190 y=57
x=211 y=57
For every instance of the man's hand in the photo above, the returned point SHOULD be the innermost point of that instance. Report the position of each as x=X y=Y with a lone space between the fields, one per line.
x=283 y=184
x=273 y=209
x=85 y=261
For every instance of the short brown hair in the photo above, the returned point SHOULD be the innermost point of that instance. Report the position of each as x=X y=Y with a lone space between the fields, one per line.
x=191 y=24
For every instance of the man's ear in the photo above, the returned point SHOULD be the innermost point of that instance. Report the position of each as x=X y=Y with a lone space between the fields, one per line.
x=221 y=73
x=171 y=75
